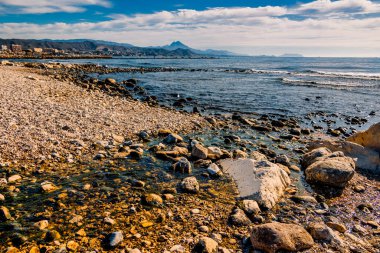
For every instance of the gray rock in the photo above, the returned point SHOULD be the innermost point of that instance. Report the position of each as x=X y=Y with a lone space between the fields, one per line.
x=321 y=232
x=251 y=207
x=199 y=151
x=283 y=159
x=183 y=166
x=238 y=218
x=262 y=181
x=313 y=155
x=273 y=237
x=115 y=238
x=214 y=170
x=173 y=138
x=334 y=171
x=190 y=184
x=206 y=245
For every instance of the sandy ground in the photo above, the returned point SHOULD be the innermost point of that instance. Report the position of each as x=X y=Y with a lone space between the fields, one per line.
x=41 y=116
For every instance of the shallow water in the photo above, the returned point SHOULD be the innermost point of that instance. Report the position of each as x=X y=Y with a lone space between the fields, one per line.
x=285 y=86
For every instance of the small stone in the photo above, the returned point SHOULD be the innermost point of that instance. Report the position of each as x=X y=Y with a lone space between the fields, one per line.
x=2 y=198
x=42 y=224
x=4 y=214
x=12 y=250
x=72 y=245
x=134 y=251
x=3 y=181
x=52 y=235
x=206 y=245
x=359 y=188
x=217 y=237
x=214 y=170
x=294 y=168
x=199 y=151
x=177 y=248
x=238 y=218
x=282 y=159
x=115 y=238
x=34 y=249
x=14 y=178
x=195 y=211
x=173 y=138
x=319 y=231
x=182 y=166
x=146 y=223
x=337 y=226
x=304 y=199
x=48 y=187
x=81 y=232
x=251 y=207
x=190 y=184
x=204 y=229
x=110 y=221
x=153 y=199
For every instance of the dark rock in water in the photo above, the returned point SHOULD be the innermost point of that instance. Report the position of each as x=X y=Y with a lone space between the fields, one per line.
x=115 y=239
x=110 y=81
x=372 y=113
x=144 y=135
x=273 y=237
x=134 y=81
x=173 y=138
x=195 y=110
x=52 y=235
x=183 y=166
x=4 y=214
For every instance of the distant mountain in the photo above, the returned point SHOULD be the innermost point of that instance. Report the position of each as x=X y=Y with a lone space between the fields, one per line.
x=291 y=55
x=179 y=45
x=82 y=45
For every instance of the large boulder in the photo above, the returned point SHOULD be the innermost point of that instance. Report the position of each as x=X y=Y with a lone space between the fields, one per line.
x=365 y=158
x=369 y=138
x=314 y=155
x=262 y=181
x=333 y=171
x=272 y=237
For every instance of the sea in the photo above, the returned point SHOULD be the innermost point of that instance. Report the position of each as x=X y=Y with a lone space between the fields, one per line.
x=293 y=86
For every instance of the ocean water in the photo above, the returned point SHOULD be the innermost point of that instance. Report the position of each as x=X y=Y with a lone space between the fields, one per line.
x=264 y=85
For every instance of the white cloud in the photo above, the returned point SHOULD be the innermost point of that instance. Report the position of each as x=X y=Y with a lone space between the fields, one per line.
x=48 y=6
x=259 y=30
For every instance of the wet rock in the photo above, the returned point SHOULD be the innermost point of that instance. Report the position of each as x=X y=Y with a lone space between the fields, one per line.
x=153 y=200
x=72 y=246
x=313 y=155
x=42 y=224
x=199 y=151
x=214 y=153
x=261 y=181
x=238 y=218
x=3 y=181
x=110 y=81
x=214 y=170
x=282 y=159
x=255 y=155
x=177 y=248
x=4 y=214
x=334 y=171
x=206 y=245
x=173 y=138
x=304 y=198
x=272 y=237
x=115 y=239
x=340 y=227
x=237 y=153
x=251 y=207
x=144 y=135
x=321 y=232
x=2 y=198
x=134 y=251
x=190 y=184
x=14 y=178
x=183 y=166
x=52 y=235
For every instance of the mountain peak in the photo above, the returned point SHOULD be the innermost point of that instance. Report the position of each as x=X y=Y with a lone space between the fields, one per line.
x=177 y=43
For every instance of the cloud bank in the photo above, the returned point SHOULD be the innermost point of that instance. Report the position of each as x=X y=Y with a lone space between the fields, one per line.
x=319 y=28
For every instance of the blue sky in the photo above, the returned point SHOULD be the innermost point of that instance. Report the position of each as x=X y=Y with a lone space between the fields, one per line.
x=314 y=28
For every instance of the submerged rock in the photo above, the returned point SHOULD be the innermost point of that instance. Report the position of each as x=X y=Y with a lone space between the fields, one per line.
x=272 y=237
x=262 y=181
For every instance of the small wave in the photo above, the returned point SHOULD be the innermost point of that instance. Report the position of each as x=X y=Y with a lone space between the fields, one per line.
x=345 y=75
x=326 y=84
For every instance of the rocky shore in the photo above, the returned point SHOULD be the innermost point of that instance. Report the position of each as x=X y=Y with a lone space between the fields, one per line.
x=87 y=168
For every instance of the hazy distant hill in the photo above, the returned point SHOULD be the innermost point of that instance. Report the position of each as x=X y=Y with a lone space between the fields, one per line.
x=291 y=55
x=179 y=45
x=102 y=46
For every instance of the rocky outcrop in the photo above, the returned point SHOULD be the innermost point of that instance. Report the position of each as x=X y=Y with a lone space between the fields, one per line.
x=272 y=237
x=262 y=181
x=369 y=138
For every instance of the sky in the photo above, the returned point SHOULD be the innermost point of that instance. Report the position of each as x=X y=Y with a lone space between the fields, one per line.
x=325 y=28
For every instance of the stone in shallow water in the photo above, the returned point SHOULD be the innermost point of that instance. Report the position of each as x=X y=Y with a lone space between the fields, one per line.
x=199 y=151
x=183 y=166
x=262 y=181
